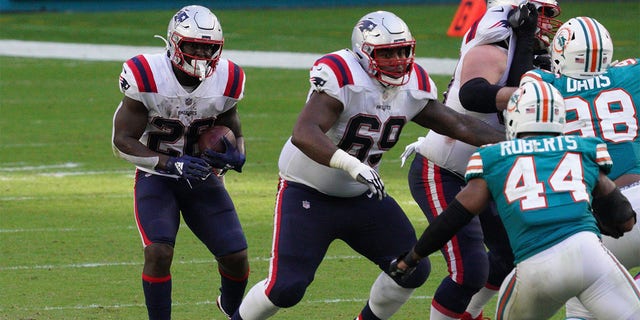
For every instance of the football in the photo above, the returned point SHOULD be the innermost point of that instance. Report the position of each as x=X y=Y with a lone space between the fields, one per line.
x=212 y=139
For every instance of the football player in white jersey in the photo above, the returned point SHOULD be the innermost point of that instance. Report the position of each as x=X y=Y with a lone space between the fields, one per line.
x=169 y=100
x=547 y=188
x=602 y=99
x=329 y=187
x=494 y=53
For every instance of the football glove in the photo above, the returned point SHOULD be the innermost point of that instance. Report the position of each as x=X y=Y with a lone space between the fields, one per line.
x=524 y=19
x=230 y=159
x=403 y=274
x=371 y=178
x=188 y=167
x=612 y=211
x=409 y=150
x=542 y=61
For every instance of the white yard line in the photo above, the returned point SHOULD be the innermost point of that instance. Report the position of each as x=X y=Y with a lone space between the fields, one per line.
x=258 y=59
x=206 y=302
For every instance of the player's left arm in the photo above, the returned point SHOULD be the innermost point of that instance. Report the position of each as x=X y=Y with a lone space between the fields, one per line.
x=446 y=121
x=231 y=120
x=611 y=208
x=468 y=203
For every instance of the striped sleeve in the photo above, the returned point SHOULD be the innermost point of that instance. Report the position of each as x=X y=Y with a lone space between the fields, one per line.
x=142 y=74
x=474 y=167
x=339 y=67
x=423 y=78
x=235 y=81
x=603 y=159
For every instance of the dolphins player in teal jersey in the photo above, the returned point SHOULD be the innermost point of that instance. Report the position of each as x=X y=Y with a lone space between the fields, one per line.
x=602 y=99
x=545 y=185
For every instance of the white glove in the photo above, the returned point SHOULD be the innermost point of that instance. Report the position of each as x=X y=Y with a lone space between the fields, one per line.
x=359 y=171
x=372 y=179
x=409 y=150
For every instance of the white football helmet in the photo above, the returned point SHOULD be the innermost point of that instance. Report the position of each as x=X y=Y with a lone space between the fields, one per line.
x=384 y=30
x=536 y=106
x=195 y=25
x=582 y=48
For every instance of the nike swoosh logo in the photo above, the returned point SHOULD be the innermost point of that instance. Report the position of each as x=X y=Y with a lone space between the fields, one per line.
x=501 y=10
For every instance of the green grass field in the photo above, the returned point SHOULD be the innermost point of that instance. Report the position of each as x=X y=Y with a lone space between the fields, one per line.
x=69 y=246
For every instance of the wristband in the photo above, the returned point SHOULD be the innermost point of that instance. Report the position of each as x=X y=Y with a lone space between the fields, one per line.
x=342 y=160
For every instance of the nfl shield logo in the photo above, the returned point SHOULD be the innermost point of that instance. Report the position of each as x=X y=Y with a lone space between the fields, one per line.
x=306 y=204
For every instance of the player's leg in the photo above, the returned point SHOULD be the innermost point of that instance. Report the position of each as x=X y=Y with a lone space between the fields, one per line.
x=380 y=231
x=540 y=284
x=304 y=223
x=612 y=292
x=209 y=212
x=500 y=260
x=157 y=217
x=626 y=249
x=433 y=188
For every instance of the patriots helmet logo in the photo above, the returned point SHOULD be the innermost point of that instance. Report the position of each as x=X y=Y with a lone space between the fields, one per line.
x=180 y=16
x=366 y=25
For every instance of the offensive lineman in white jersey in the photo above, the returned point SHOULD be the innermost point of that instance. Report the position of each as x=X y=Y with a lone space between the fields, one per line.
x=329 y=186
x=169 y=100
x=494 y=53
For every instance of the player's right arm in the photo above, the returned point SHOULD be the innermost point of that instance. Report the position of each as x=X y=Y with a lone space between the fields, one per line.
x=482 y=69
x=129 y=123
x=318 y=115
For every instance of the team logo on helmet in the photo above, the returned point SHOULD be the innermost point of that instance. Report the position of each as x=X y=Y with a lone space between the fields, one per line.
x=561 y=40
x=366 y=25
x=180 y=16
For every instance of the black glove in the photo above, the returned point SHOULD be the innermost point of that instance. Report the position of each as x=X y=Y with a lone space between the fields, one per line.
x=612 y=211
x=400 y=274
x=542 y=61
x=230 y=159
x=524 y=19
x=188 y=167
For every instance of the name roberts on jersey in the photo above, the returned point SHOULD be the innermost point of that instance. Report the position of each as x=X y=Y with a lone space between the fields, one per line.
x=551 y=144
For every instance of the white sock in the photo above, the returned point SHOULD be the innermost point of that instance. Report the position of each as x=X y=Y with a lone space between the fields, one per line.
x=437 y=315
x=479 y=300
x=387 y=296
x=256 y=305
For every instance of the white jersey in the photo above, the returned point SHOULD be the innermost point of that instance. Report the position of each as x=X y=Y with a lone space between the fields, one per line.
x=176 y=116
x=447 y=152
x=369 y=125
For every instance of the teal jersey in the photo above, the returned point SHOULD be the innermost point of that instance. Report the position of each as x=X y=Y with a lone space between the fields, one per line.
x=542 y=187
x=607 y=107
